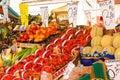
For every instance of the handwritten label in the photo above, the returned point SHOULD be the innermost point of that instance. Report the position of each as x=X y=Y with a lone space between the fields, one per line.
x=5 y=11
x=88 y=14
x=68 y=70
x=108 y=13
x=24 y=13
x=72 y=13
x=113 y=67
x=44 y=13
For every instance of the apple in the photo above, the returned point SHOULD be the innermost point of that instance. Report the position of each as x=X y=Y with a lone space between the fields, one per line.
x=28 y=65
x=22 y=35
x=23 y=40
x=48 y=69
x=62 y=61
x=50 y=46
x=88 y=38
x=46 y=62
x=39 y=52
x=8 y=77
x=11 y=70
x=38 y=31
x=20 y=64
x=66 y=58
x=18 y=73
x=69 y=31
x=37 y=68
x=66 y=49
x=17 y=79
x=30 y=57
x=25 y=74
x=1 y=75
x=28 y=32
x=58 y=41
x=47 y=53
x=18 y=39
x=26 y=36
x=55 y=59
x=38 y=60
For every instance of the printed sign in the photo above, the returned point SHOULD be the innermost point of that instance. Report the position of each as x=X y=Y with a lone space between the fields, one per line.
x=24 y=13
x=5 y=10
x=108 y=13
x=88 y=14
x=113 y=67
x=44 y=14
x=68 y=70
x=72 y=13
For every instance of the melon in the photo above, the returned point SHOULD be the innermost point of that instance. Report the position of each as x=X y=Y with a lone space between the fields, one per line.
x=96 y=41
x=109 y=49
x=116 y=34
x=96 y=31
x=86 y=49
x=96 y=48
x=117 y=53
x=109 y=32
x=116 y=42
x=107 y=40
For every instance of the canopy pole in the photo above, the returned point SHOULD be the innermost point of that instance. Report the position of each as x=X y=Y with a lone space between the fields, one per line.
x=45 y=2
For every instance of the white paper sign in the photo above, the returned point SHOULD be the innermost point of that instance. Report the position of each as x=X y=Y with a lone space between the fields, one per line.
x=72 y=13
x=108 y=13
x=5 y=12
x=44 y=14
x=113 y=67
x=68 y=70
x=88 y=14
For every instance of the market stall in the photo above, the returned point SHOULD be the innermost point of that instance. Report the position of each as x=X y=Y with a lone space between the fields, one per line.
x=44 y=50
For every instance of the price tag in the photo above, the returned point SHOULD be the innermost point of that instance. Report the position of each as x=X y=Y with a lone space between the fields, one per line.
x=44 y=14
x=68 y=70
x=108 y=13
x=72 y=13
x=14 y=47
x=113 y=67
x=24 y=13
x=5 y=11
x=88 y=14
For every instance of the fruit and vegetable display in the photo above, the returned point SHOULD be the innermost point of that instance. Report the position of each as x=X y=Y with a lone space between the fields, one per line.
x=7 y=37
x=50 y=59
x=8 y=58
x=104 y=43
x=36 y=33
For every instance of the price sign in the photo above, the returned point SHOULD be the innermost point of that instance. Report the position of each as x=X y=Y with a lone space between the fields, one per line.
x=88 y=14
x=72 y=13
x=24 y=13
x=44 y=14
x=108 y=13
x=5 y=10
x=68 y=70
x=113 y=67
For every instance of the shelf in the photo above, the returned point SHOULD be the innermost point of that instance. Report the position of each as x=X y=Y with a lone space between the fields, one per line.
x=59 y=73
x=29 y=45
